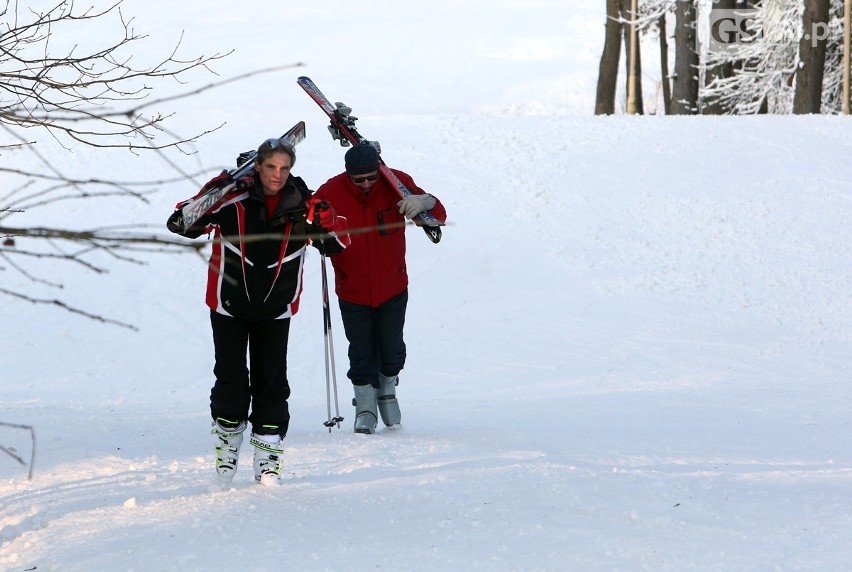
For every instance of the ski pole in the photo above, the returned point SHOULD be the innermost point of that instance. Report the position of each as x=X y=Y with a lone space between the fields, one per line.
x=328 y=339
x=330 y=373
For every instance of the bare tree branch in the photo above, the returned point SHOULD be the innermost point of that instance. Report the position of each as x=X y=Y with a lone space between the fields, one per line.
x=72 y=309
x=87 y=90
x=12 y=453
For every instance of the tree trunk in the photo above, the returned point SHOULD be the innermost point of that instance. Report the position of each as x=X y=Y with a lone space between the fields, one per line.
x=847 y=47
x=608 y=70
x=712 y=106
x=812 y=46
x=664 y=65
x=635 y=105
x=685 y=84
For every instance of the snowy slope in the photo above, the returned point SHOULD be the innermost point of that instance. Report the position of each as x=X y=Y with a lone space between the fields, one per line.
x=629 y=351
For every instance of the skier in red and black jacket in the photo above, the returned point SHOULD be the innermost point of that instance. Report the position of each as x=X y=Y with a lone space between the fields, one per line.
x=253 y=288
x=371 y=279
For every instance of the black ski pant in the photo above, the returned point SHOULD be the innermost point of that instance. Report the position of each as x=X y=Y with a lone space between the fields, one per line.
x=256 y=392
x=376 y=343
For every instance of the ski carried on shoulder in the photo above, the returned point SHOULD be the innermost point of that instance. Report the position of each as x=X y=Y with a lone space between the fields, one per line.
x=205 y=202
x=343 y=129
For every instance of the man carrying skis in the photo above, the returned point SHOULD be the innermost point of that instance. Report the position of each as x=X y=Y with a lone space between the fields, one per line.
x=253 y=288
x=371 y=280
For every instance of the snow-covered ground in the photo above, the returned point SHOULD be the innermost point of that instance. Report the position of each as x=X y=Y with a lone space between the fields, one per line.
x=630 y=351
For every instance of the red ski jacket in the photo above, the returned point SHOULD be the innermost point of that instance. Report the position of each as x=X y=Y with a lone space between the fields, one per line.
x=372 y=269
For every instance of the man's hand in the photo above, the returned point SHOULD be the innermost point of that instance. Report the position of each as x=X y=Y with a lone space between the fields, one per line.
x=246 y=182
x=322 y=212
x=219 y=180
x=415 y=204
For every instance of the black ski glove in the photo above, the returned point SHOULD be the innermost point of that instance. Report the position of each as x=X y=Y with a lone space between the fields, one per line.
x=246 y=182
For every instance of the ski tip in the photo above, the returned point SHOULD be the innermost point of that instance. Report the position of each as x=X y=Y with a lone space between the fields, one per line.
x=434 y=233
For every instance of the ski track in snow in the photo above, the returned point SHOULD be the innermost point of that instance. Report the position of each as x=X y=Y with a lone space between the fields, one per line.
x=620 y=383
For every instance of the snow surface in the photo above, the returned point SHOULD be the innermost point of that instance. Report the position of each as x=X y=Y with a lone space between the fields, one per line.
x=630 y=351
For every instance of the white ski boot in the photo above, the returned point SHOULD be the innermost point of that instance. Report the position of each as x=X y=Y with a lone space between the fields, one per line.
x=366 y=416
x=388 y=404
x=267 y=458
x=229 y=437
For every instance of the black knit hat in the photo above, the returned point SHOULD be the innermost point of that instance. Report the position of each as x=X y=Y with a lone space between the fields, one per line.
x=362 y=158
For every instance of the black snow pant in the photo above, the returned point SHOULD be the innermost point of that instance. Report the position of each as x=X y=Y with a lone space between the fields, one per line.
x=376 y=343
x=261 y=387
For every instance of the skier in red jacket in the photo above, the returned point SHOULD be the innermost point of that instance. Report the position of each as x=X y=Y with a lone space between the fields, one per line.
x=371 y=280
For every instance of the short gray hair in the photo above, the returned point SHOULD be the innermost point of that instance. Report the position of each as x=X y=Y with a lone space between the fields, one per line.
x=270 y=146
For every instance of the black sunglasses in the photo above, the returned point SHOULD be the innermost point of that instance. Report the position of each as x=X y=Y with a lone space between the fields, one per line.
x=358 y=180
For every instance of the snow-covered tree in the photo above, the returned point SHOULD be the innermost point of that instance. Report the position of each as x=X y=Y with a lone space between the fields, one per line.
x=832 y=82
x=685 y=82
x=810 y=69
x=767 y=59
x=754 y=69
x=764 y=61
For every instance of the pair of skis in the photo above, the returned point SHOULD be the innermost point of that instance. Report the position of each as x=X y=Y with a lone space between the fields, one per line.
x=201 y=204
x=343 y=129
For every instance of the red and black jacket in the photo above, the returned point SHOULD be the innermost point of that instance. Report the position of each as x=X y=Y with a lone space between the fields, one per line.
x=255 y=270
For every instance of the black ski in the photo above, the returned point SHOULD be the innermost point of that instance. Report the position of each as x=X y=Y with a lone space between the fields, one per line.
x=343 y=129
